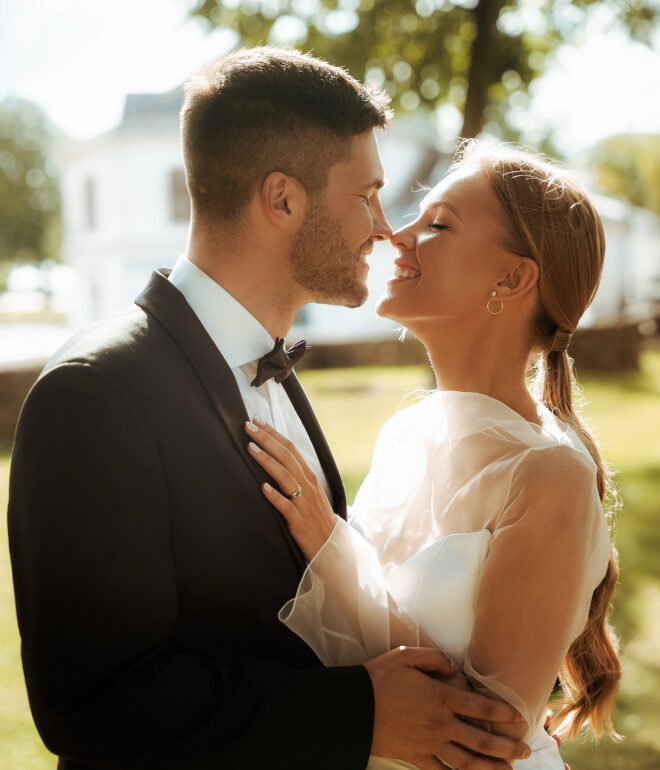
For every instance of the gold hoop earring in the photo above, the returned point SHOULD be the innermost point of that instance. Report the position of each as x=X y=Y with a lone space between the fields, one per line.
x=493 y=294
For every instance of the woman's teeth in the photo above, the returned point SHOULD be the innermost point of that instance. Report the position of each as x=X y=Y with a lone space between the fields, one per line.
x=405 y=273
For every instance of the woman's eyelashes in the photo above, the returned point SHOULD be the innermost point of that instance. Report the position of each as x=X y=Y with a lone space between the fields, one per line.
x=438 y=226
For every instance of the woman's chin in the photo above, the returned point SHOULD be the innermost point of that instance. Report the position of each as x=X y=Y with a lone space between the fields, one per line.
x=386 y=307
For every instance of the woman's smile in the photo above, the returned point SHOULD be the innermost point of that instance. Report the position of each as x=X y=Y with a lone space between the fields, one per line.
x=404 y=272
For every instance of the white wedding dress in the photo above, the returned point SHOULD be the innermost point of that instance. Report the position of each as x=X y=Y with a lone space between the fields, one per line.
x=477 y=530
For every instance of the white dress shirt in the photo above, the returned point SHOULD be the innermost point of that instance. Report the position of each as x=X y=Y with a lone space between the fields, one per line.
x=242 y=340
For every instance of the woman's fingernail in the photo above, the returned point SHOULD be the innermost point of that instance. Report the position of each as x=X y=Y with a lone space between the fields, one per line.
x=254 y=447
x=251 y=426
x=259 y=421
x=267 y=487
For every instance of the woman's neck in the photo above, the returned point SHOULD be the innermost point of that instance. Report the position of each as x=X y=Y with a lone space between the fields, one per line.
x=498 y=371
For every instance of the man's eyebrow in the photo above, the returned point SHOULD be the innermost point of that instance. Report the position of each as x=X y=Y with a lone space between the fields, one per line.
x=425 y=205
x=377 y=184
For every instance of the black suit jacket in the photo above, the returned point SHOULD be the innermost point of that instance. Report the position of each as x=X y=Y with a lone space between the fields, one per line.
x=149 y=569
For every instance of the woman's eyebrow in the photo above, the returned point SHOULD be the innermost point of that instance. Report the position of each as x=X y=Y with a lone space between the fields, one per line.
x=440 y=203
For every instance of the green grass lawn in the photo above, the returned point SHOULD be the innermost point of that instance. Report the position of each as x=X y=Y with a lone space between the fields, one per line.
x=352 y=405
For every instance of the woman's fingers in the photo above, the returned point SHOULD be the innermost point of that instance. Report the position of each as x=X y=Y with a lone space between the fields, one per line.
x=282 y=504
x=278 y=447
x=308 y=531
x=283 y=477
x=303 y=503
x=284 y=442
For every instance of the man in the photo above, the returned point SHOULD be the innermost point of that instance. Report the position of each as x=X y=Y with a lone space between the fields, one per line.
x=148 y=567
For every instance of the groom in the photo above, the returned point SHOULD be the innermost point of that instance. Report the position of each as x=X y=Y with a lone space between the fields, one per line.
x=148 y=567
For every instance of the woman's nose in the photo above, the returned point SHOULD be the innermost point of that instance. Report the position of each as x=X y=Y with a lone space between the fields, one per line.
x=403 y=238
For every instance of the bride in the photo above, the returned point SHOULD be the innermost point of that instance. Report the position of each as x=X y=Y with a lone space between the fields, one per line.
x=480 y=527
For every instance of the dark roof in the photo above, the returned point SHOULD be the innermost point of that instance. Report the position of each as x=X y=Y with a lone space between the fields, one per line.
x=141 y=109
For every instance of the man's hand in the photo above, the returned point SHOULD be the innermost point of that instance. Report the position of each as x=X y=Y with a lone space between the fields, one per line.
x=420 y=720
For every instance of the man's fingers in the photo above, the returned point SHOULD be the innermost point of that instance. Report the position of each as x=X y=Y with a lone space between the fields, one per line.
x=429 y=660
x=456 y=757
x=491 y=745
x=470 y=704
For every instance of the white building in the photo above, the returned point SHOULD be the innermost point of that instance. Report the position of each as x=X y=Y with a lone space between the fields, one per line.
x=630 y=285
x=126 y=212
x=125 y=207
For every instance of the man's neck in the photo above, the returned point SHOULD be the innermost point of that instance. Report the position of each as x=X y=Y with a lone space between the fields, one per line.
x=253 y=281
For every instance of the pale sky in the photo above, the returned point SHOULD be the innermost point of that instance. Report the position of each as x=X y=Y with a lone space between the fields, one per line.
x=78 y=58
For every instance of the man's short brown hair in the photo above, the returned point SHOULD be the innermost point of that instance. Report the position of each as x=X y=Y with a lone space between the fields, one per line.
x=265 y=109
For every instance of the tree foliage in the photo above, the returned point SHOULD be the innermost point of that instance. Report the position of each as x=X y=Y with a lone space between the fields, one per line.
x=479 y=55
x=29 y=190
x=628 y=166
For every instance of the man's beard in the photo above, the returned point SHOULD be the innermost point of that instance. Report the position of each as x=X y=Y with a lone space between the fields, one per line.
x=323 y=263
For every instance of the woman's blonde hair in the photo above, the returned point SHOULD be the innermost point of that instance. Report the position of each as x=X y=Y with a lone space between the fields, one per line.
x=550 y=219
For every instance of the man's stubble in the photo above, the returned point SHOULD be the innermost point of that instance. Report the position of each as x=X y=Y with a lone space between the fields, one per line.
x=322 y=261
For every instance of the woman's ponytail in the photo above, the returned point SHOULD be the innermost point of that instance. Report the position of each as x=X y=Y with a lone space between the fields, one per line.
x=591 y=671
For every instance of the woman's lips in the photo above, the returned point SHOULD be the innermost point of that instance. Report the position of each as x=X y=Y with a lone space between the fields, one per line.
x=403 y=272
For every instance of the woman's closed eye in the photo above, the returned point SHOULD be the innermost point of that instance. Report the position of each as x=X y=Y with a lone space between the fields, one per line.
x=438 y=226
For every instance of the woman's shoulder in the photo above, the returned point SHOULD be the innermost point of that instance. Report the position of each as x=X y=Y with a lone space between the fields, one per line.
x=556 y=485
x=557 y=466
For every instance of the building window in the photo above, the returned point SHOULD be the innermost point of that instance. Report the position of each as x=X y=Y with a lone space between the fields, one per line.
x=89 y=194
x=179 y=200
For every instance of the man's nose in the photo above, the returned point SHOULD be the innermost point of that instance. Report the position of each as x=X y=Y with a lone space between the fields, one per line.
x=382 y=230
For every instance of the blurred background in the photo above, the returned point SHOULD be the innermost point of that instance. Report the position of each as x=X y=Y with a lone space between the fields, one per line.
x=93 y=197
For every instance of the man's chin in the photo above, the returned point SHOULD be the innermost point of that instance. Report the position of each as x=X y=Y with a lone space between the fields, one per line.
x=355 y=297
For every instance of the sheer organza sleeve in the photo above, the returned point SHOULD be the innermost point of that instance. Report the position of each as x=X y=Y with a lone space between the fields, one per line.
x=548 y=553
x=343 y=609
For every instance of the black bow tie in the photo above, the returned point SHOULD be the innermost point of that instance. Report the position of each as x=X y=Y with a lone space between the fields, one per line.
x=279 y=362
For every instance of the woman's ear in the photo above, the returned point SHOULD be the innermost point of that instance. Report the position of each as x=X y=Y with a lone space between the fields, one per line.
x=283 y=200
x=521 y=277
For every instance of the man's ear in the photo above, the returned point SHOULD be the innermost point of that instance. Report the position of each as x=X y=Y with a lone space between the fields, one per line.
x=283 y=200
x=521 y=277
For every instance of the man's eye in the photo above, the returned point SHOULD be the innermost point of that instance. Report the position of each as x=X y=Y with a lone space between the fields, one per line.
x=438 y=226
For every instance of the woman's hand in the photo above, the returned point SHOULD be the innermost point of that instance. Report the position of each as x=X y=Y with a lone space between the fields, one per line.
x=301 y=500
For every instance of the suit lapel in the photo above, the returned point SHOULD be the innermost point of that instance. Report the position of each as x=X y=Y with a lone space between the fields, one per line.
x=304 y=409
x=164 y=301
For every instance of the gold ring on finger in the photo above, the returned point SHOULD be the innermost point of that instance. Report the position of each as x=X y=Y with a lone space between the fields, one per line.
x=296 y=493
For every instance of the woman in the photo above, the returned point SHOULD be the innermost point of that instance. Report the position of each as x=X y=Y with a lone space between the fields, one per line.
x=480 y=526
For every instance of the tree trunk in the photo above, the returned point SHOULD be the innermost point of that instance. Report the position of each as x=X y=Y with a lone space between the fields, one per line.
x=480 y=73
